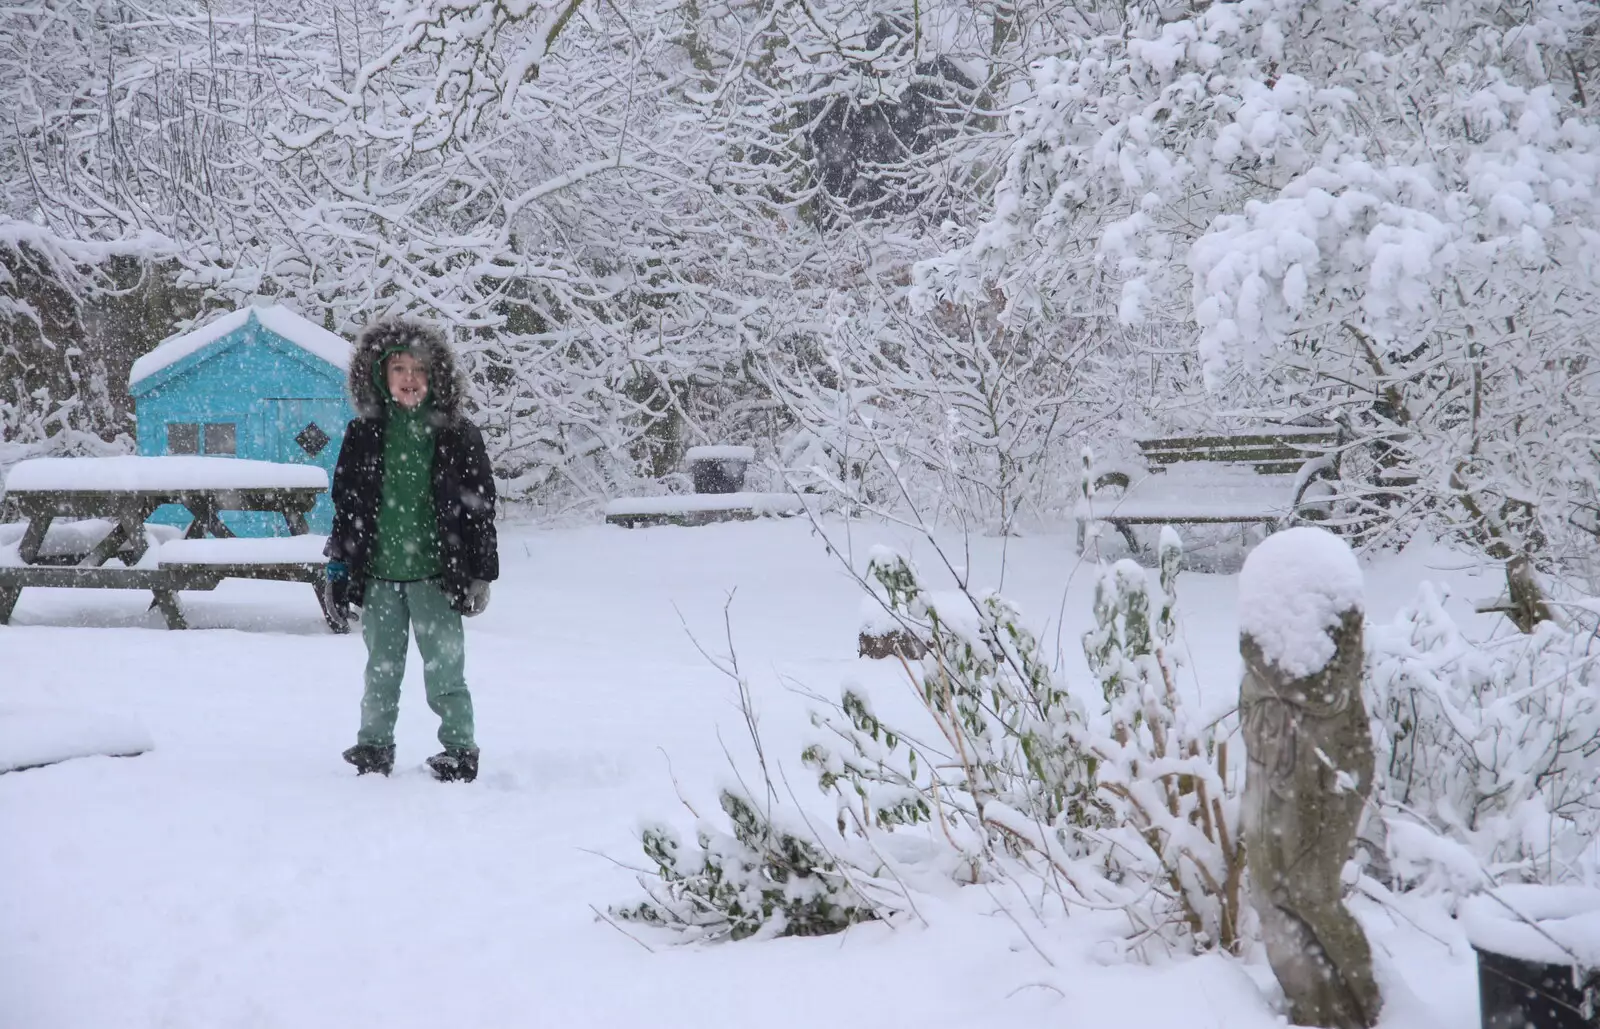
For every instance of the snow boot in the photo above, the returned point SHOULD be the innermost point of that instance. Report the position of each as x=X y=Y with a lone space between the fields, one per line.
x=369 y=758
x=454 y=766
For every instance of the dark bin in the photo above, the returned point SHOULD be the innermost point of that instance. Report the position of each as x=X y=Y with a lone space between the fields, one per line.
x=1538 y=948
x=718 y=477
x=718 y=469
x=1517 y=994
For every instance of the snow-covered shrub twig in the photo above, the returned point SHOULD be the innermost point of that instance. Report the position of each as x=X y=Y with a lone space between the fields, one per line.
x=1175 y=807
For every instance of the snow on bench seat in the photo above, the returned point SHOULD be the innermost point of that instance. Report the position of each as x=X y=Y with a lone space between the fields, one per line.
x=688 y=503
x=32 y=738
x=158 y=474
x=720 y=453
x=277 y=550
x=701 y=508
x=1203 y=494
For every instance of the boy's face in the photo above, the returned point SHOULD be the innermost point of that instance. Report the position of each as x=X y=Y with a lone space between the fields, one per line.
x=408 y=380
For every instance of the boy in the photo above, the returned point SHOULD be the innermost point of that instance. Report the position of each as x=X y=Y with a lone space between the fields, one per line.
x=413 y=541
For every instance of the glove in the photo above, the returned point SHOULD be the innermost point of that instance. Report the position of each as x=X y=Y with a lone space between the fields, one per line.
x=476 y=599
x=336 y=596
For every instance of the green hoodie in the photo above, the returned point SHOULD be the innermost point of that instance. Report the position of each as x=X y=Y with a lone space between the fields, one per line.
x=406 y=547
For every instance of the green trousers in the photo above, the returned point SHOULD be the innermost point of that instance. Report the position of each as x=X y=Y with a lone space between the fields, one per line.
x=387 y=615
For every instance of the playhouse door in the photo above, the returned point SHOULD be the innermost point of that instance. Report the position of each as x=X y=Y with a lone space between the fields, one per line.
x=307 y=432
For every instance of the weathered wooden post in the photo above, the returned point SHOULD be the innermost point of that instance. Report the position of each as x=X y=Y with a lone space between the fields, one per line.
x=881 y=635
x=1309 y=770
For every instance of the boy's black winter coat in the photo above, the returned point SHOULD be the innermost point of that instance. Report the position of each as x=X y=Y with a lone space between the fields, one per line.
x=463 y=483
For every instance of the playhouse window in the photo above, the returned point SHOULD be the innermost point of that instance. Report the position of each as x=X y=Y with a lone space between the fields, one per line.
x=183 y=438
x=220 y=438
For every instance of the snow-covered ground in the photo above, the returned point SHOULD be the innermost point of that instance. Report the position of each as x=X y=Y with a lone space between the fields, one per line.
x=240 y=875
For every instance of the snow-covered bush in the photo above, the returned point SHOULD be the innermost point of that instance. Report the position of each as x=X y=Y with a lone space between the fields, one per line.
x=1495 y=746
x=1003 y=770
x=760 y=879
x=1005 y=778
x=1136 y=809
x=1174 y=802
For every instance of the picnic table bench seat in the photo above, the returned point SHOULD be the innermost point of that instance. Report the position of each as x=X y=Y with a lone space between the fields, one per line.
x=1267 y=477
x=175 y=566
x=271 y=552
x=67 y=543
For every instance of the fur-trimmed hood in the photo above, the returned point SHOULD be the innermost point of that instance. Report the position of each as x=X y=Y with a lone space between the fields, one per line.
x=389 y=335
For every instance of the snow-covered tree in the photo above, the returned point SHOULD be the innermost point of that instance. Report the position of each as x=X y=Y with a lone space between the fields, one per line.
x=955 y=416
x=345 y=159
x=640 y=222
x=628 y=217
x=55 y=393
x=1383 y=211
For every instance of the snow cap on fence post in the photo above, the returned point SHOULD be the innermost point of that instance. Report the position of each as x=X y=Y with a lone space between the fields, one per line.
x=1294 y=591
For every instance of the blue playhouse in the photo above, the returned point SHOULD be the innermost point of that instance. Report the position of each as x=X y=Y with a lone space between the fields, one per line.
x=260 y=383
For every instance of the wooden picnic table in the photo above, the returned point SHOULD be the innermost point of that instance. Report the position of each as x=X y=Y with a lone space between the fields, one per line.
x=126 y=491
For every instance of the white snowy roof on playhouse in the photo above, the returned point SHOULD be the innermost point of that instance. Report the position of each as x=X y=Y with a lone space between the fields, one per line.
x=308 y=336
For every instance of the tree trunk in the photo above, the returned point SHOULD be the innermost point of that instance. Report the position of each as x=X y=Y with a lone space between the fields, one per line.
x=1310 y=768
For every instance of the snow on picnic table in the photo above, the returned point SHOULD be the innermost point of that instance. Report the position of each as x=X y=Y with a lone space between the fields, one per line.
x=1554 y=925
x=130 y=473
x=241 y=875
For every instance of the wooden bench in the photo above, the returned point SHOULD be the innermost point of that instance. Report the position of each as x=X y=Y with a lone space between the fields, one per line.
x=1262 y=477
x=718 y=476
